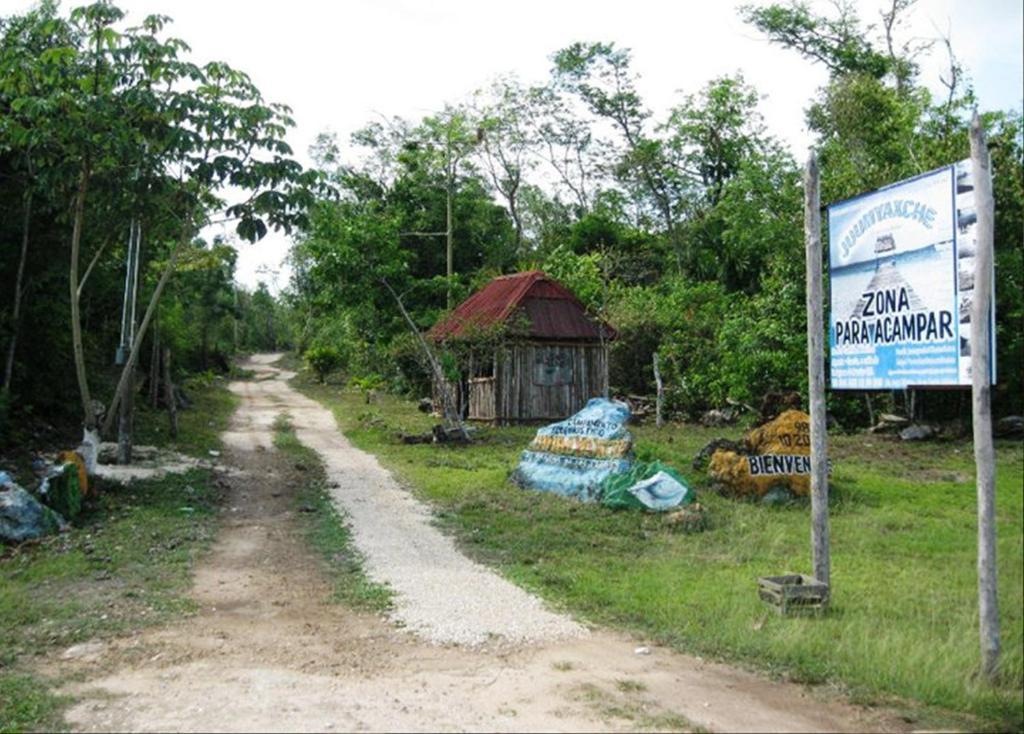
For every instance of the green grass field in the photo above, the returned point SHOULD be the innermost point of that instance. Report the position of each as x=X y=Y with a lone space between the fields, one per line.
x=125 y=564
x=903 y=626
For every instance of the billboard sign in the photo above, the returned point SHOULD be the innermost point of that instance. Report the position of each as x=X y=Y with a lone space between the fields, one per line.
x=901 y=263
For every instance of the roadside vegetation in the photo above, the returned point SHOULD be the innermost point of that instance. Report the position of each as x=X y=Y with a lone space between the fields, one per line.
x=902 y=629
x=682 y=227
x=125 y=564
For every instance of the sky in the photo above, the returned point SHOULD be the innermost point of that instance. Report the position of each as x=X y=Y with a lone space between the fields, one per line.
x=339 y=65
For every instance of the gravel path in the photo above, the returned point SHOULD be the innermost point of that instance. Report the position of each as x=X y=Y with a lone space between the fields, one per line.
x=440 y=594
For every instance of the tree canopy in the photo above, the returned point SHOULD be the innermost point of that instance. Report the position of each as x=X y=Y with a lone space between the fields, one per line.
x=683 y=227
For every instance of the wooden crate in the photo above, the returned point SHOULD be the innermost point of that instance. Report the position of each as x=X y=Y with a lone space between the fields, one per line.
x=794 y=593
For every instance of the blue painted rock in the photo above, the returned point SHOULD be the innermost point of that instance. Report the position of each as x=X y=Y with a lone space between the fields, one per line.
x=575 y=456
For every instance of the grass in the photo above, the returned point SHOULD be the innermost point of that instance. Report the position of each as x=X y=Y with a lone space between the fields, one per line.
x=125 y=564
x=326 y=531
x=628 y=706
x=199 y=427
x=903 y=626
x=27 y=705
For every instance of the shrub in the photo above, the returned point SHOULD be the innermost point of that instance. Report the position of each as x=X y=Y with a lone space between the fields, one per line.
x=323 y=360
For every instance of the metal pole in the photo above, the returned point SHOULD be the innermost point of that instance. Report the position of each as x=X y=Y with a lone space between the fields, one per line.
x=981 y=388
x=816 y=374
x=131 y=287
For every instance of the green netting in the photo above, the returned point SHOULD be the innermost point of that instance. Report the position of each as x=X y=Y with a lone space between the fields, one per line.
x=641 y=487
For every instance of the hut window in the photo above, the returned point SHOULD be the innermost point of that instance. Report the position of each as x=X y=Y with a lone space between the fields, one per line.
x=552 y=366
x=482 y=366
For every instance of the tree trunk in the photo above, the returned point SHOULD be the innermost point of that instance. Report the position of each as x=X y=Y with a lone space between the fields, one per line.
x=172 y=403
x=126 y=426
x=451 y=414
x=18 y=280
x=517 y=221
x=154 y=370
x=89 y=415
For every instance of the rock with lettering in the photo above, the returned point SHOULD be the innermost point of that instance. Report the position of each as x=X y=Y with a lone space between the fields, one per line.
x=778 y=457
x=575 y=456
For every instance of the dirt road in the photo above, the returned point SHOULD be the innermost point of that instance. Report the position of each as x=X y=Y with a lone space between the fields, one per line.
x=269 y=652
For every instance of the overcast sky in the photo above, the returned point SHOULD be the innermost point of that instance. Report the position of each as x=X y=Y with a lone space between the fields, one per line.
x=340 y=64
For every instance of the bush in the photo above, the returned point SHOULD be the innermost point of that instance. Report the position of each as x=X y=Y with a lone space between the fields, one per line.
x=323 y=360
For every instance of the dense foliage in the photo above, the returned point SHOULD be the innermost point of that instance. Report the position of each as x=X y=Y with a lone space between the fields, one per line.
x=684 y=231
x=108 y=129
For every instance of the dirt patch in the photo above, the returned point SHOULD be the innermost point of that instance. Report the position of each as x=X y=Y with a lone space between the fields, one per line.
x=268 y=651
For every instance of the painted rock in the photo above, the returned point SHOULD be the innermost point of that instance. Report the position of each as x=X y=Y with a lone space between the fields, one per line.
x=780 y=456
x=573 y=457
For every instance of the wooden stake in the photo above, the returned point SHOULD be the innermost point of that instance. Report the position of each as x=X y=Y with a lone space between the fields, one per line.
x=659 y=400
x=172 y=403
x=154 y=369
x=981 y=388
x=816 y=374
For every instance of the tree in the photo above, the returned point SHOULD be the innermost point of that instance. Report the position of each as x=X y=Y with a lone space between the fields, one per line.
x=30 y=78
x=565 y=140
x=507 y=144
x=599 y=74
x=179 y=132
x=219 y=133
x=838 y=42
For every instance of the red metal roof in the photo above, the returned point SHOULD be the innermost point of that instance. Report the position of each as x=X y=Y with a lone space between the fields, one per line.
x=551 y=309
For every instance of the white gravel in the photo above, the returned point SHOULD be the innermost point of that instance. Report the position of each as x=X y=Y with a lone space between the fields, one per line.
x=439 y=593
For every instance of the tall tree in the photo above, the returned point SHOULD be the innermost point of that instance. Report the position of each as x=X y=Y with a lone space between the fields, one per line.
x=507 y=144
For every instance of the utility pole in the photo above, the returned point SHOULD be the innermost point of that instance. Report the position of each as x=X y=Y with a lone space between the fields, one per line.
x=981 y=389
x=816 y=374
x=450 y=183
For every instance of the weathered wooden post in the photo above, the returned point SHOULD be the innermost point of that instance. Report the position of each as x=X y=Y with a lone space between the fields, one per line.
x=981 y=386
x=816 y=374
x=659 y=421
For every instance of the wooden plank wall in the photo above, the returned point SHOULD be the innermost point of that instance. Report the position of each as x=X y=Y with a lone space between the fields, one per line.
x=520 y=398
x=481 y=398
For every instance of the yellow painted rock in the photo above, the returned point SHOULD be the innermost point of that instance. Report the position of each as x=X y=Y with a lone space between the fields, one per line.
x=780 y=455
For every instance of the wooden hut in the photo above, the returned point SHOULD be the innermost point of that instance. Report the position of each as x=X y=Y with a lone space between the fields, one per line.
x=534 y=354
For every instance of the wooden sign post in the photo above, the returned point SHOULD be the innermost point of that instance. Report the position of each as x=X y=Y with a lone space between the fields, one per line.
x=981 y=388
x=816 y=374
